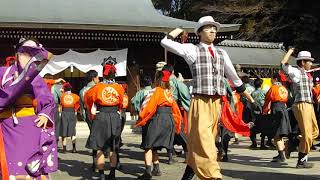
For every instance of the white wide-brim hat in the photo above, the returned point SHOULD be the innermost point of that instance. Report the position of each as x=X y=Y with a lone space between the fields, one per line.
x=160 y=65
x=206 y=20
x=304 y=55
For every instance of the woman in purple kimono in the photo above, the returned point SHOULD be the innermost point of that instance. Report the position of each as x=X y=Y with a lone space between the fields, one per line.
x=28 y=148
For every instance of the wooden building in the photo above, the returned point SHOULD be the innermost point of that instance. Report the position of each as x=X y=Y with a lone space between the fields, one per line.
x=86 y=25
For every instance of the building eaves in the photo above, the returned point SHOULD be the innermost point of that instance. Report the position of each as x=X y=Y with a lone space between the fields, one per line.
x=122 y=15
x=251 y=44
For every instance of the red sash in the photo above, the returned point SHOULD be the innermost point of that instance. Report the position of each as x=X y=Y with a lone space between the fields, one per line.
x=232 y=121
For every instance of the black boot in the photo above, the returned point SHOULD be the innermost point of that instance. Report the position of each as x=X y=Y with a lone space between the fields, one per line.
x=262 y=145
x=102 y=176
x=112 y=174
x=269 y=143
x=253 y=145
x=225 y=158
x=93 y=167
x=170 y=159
x=156 y=170
x=64 y=149
x=147 y=174
x=254 y=141
x=74 y=150
x=118 y=166
x=188 y=173
x=302 y=161
x=280 y=157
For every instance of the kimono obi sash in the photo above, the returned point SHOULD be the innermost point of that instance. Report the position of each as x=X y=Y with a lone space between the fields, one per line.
x=24 y=106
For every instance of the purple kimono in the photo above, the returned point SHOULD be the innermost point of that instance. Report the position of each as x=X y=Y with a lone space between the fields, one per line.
x=30 y=151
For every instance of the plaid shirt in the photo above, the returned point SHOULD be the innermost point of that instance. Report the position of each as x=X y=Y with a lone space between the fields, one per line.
x=208 y=72
x=302 y=90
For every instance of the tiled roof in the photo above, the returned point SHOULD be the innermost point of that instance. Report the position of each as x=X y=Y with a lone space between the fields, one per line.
x=249 y=53
x=251 y=44
x=126 y=15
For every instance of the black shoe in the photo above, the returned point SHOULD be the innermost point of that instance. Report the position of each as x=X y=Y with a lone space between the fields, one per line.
x=313 y=148
x=236 y=141
x=270 y=144
x=253 y=146
x=93 y=168
x=119 y=166
x=145 y=176
x=64 y=150
x=112 y=174
x=279 y=159
x=156 y=172
x=304 y=165
x=302 y=161
x=188 y=173
x=225 y=158
x=102 y=176
x=74 y=150
x=277 y=156
x=171 y=160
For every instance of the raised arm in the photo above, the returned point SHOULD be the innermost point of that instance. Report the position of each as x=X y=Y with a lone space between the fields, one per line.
x=187 y=50
x=286 y=57
x=288 y=69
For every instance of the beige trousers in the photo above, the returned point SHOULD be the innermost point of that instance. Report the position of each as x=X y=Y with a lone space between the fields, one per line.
x=203 y=121
x=307 y=122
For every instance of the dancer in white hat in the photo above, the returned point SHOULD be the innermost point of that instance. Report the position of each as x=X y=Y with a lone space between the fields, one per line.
x=208 y=64
x=302 y=107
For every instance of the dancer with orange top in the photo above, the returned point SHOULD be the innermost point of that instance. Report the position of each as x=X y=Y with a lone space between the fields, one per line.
x=276 y=99
x=160 y=119
x=70 y=104
x=103 y=102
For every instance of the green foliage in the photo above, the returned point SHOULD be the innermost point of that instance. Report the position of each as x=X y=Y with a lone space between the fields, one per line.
x=294 y=22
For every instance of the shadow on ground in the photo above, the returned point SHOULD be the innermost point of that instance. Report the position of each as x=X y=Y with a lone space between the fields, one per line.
x=252 y=175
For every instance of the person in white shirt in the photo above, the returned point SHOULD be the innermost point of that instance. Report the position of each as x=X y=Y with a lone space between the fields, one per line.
x=208 y=65
x=303 y=104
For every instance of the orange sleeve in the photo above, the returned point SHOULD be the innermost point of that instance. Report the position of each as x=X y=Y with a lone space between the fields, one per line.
x=267 y=100
x=315 y=93
x=121 y=93
x=125 y=101
x=176 y=116
x=89 y=98
x=149 y=109
x=49 y=82
x=77 y=102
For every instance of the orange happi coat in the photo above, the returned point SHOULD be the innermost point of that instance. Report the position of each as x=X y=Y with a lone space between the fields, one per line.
x=316 y=93
x=103 y=94
x=159 y=97
x=277 y=93
x=70 y=100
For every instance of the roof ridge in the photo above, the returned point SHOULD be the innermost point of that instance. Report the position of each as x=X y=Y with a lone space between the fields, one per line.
x=251 y=44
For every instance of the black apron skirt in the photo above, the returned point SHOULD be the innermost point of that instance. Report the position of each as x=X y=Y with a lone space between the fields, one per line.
x=281 y=114
x=159 y=132
x=68 y=122
x=106 y=130
x=275 y=124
